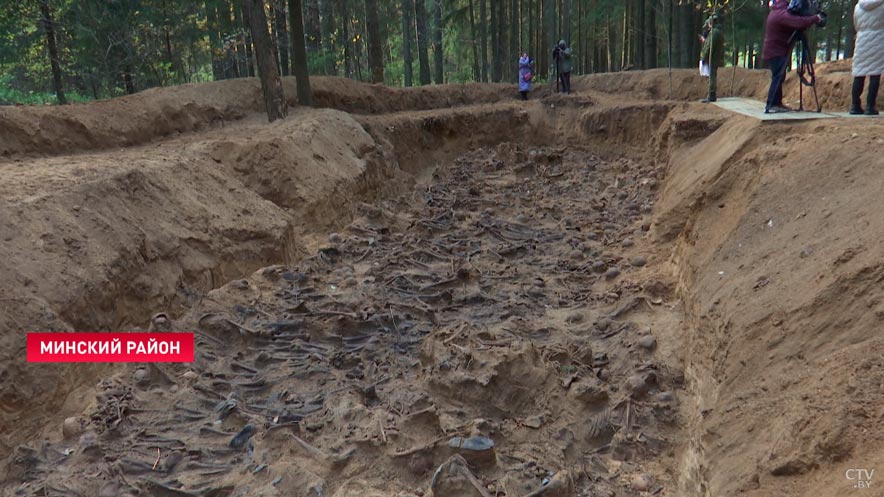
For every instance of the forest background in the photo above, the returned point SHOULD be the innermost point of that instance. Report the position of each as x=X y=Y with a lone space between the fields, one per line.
x=57 y=51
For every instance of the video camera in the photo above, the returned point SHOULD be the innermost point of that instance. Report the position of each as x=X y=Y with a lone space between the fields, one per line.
x=808 y=8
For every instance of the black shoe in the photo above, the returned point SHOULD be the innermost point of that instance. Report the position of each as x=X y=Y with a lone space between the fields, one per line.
x=856 y=111
x=871 y=112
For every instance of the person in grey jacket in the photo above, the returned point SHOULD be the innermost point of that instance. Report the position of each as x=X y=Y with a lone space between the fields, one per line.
x=868 y=57
x=562 y=56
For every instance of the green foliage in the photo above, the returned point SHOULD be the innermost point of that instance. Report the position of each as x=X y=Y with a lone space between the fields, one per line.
x=11 y=96
x=103 y=44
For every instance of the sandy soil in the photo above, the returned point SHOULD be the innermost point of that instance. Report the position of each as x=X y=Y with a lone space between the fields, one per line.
x=627 y=292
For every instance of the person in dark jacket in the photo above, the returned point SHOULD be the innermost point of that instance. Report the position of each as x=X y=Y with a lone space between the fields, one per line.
x=781 y=26
x=562 y=57
x=713 y=53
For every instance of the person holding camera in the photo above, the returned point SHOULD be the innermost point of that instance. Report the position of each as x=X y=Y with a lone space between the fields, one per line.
x=778 y=35
x=562 y=57
x=868 y=56
x=713 y=52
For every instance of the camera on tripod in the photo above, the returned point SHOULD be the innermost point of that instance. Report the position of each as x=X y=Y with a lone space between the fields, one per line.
x=808 y=8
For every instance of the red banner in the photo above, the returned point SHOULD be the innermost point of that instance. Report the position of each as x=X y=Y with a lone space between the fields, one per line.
x=110 y=347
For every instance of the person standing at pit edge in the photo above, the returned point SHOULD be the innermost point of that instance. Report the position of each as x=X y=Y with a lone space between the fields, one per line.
x=562 y=55
x=713 y=53
x=781 y=25
x=868 y=57
x=526 y=68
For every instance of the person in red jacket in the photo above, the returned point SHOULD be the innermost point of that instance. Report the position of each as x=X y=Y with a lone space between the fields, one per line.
x=781 y=26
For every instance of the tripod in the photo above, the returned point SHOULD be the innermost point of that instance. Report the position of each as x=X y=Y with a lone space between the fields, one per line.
x=806 y=73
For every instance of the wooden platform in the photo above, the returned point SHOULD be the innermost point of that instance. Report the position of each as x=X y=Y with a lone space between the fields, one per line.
x=754 y=108
x=852 y=116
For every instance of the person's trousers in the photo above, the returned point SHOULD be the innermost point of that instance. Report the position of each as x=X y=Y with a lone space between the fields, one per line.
x=566 y=82
x=777 y=77
x=713 y=80
x=524 y=94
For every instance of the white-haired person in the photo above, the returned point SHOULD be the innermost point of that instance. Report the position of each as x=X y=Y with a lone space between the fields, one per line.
x=868 y=56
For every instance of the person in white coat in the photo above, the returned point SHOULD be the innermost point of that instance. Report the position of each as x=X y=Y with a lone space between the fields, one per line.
x=868 y=57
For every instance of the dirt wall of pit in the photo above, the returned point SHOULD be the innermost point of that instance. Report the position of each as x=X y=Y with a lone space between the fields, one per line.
x=833 y=83
x=777 y=250
x=102 y=241
x=161 y=113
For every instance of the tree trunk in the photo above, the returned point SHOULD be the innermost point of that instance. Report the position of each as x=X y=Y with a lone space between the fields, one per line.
x=650 y=37
x=438 y=55
x=420 y=15
x=542 y=53
x=299 y=53
x=501 y=41
x=312 y=26
x=357 y=49
x=532 y=46
x=226 y=28
x=549 y=26
x=49 y=27
x=407 y=9
x=566 y=21
x=637 y=30
x=495 y=46
x=327 y=26
x=582 y=52
x=212 y=24
x=611 y=56
x=513 y=55
x=483 y=27
x=477 y=70
x=850 y=41
x=167 y=40
x=274 y=38
x=247 y=25
x=346 y=20
x=271 y=84
x=283 y=35
x=375 y=53
x=685 y=36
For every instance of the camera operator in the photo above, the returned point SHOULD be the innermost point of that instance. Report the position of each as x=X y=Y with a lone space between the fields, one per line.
x=781 y=26
x=562 y=57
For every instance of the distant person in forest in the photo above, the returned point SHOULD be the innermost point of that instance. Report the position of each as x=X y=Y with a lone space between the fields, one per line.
x=713 y=52
x=781 y=26
x=526 y=73
x=562 y=57
x=868 y=57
